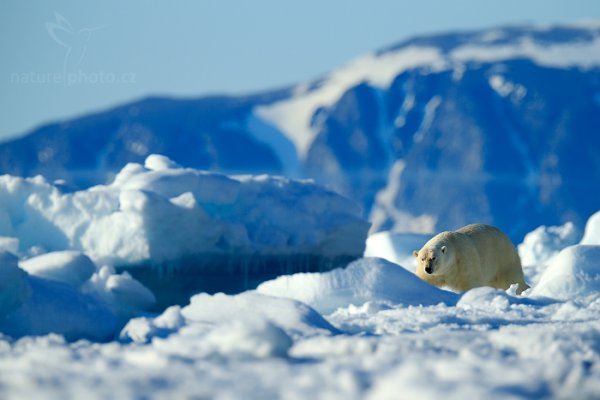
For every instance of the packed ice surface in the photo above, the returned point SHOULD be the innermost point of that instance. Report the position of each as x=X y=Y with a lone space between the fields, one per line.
x=364 y=280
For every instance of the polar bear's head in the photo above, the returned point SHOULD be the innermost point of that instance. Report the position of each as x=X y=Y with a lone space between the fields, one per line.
x=435 y=258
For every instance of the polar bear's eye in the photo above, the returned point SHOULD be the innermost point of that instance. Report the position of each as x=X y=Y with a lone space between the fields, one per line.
x=433 y=258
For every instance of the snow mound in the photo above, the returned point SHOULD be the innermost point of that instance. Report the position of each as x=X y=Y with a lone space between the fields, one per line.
x=396 y=247
x=574 y=272
x=543 y=243
x=592 y=230
x=249 y=339
x=365 y=280
x=70 y=267
x=248 y=325
x=161 y=212
x=296 y=318
x=14 y=288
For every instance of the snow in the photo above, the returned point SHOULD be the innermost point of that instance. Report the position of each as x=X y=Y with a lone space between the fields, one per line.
x=384 y=208
x=365 y=280
x=489 y=345
x=65 y=293
x=283 y=147
x=396 y=247
x=592 y=230
x=9 y=244
x=573 y=273
x=125 y=296
x=54 y=307
x=505 y=88
x=293 y=316
x=293 y=116
x=160 y=212
x=542 y=244
x=70 y=267
x=583 y=54
x=74 y=328
x=14 y=288
x=428 y=118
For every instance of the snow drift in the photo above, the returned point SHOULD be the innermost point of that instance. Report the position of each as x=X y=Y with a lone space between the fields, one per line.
x=368 y=279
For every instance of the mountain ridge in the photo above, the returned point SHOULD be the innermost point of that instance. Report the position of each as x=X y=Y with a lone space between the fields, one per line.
x=491 y=113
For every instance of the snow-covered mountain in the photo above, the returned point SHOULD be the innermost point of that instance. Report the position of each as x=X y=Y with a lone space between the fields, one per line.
x=499 y=126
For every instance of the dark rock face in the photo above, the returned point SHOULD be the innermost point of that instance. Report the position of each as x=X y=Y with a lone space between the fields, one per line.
x=512 y=142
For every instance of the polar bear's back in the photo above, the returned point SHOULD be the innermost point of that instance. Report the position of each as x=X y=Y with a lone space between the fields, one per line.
x=497 y=253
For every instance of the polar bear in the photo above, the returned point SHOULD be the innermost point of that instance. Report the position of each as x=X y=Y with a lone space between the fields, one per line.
x=474 y=255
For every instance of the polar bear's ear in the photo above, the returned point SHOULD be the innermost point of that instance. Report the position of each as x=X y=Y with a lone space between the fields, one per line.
x=415 y=253
x=443 y=249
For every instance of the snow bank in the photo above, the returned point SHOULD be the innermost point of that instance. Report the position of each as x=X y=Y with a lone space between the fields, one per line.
x=161 y=214
x=574 y=272
x=396 y=247
x=368 y=279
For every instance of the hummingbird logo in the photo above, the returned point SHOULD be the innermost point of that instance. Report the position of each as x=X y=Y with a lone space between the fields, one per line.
x=74 y=41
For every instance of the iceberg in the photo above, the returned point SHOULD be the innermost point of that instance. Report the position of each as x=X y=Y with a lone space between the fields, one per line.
x=181 y=231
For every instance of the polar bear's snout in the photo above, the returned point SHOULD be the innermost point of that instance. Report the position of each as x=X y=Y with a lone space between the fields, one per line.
x=429 y=269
